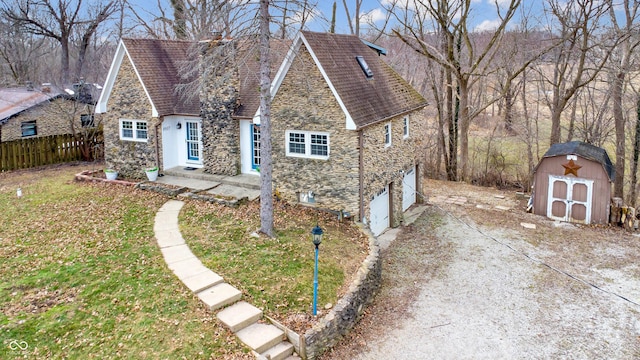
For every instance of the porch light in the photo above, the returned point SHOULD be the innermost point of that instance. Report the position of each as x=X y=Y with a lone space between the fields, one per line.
x=179 y=126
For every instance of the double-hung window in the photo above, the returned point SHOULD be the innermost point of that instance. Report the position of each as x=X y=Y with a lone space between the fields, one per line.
x=387 y=135
x=133 y=130
x=405 y=127
x=309 y=144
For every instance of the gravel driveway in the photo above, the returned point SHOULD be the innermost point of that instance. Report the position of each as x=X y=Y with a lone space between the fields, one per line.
x=454 y=289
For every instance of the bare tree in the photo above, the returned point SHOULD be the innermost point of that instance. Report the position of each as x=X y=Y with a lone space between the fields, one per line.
x=58 y=20
x=266 y=193
x=463 y=53
x=621 y=64
x=579 y=56
x=355 y=25
x=20 y=54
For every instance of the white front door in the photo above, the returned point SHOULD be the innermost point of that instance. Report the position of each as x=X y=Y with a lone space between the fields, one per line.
x=409 y=189
x=379 y=212
x=569 y=199
x=193 y=142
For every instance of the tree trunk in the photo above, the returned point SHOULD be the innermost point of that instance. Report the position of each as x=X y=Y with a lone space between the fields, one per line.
x=464 y=129
x=636 y=156
x=452 y=120
x=618 y=115
x=266 y=194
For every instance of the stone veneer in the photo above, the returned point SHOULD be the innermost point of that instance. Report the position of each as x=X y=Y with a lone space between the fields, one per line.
x=305 y=102
x=129 y=101
x=52 y=118
x=343 y=317
x=220 y=131
x=386 y=165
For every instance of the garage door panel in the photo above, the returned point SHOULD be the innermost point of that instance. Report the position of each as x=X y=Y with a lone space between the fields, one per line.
x=408 y=189
x=379 y=212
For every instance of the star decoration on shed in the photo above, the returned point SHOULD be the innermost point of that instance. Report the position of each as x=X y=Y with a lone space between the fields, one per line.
x=571 y=168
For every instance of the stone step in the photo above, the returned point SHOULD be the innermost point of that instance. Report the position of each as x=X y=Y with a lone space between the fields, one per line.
x=260 y=337
x=293 y=357
x=202 y=281
x=279 y=352
x=219 y=295
x=239 y=315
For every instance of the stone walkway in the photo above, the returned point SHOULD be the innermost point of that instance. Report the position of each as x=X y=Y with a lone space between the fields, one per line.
x=266 y=340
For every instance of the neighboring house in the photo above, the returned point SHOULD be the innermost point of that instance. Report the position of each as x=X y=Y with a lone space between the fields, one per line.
x=572 y=183
x=347 y=130
x=34 y=112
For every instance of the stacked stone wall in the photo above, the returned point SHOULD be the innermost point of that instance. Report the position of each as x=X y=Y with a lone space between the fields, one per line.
x=51 y=117
x=220 y=131
x=128 y=100
x=305 y=102
x=386 y=165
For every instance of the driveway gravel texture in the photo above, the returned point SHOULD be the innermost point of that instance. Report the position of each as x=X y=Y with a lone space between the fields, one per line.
x=468 y=281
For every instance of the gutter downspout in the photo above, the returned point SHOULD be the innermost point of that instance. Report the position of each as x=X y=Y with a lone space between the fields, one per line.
x=158 y=143
x=361 y=173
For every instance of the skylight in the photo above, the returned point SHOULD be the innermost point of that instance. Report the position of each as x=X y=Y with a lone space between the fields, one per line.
x=363 y=64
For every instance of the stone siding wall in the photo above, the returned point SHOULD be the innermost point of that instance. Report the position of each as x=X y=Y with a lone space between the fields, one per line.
x=218 y=102
x=129 y=101
x=52 y=118
x=386 y=165
x=305 y=102
x=343 y=317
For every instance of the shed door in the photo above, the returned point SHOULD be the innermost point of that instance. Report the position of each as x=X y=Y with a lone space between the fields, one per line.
x=379 y=209
x=569 y=199
x=408 y=189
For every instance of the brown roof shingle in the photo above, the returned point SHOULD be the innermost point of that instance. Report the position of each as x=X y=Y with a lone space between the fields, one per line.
x=158 y=63
x=368 y=101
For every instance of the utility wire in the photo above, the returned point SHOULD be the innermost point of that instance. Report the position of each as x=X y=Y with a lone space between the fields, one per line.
x=537 y=261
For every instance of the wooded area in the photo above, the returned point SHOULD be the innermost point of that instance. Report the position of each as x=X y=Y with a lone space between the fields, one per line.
x=500 y=91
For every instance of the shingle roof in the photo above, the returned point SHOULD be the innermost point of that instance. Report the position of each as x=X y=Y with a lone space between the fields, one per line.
x=368 y=101
x=16 y=100
x=584 y=150
x=158 y=63
x=249 y=73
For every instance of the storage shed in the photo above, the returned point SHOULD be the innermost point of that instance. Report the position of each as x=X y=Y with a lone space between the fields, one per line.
x=572 y=183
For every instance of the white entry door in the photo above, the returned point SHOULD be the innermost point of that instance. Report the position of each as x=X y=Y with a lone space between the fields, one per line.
x=408 y=189
x=193 y=142
x=569 y=199
x=379 y=212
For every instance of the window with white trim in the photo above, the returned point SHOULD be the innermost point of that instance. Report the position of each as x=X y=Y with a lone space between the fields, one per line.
x=387 y=135
x=309 y=144
x=133 y=130
x=405 y=127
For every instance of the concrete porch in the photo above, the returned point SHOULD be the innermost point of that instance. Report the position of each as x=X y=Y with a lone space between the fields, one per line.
x=197 y=181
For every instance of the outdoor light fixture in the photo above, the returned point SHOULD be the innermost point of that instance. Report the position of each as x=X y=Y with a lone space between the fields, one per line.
x=179 y=126
x=316 y=234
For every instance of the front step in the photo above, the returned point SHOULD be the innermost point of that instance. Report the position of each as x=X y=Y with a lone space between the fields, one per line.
x=219 y=295
x=260 y=337
x=279 y=352
x=240 y=315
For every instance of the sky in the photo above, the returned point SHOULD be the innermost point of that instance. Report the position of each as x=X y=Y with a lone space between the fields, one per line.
x=484 y=14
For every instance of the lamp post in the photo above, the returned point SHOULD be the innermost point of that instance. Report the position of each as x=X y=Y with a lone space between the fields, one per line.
x=316 y=234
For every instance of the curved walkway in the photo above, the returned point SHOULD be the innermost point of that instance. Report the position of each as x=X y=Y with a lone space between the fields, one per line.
x=267 y=341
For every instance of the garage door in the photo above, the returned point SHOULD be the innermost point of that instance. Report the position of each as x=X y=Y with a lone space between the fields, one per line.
x=409 y=189
x=379 y=208
x=569 y=199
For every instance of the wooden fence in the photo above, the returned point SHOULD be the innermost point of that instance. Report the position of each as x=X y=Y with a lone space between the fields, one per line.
x=46 y=150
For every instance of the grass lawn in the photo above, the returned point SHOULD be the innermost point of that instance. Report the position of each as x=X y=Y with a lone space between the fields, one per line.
x=81 y=275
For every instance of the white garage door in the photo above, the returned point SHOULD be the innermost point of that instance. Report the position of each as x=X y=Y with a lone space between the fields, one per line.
x=409 y=189
x=379 y=208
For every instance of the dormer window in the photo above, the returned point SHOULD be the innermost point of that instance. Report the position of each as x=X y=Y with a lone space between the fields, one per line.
x=365 y=67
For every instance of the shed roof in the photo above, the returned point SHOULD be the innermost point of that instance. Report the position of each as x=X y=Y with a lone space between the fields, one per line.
x=16 y=100
x=584 y=150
